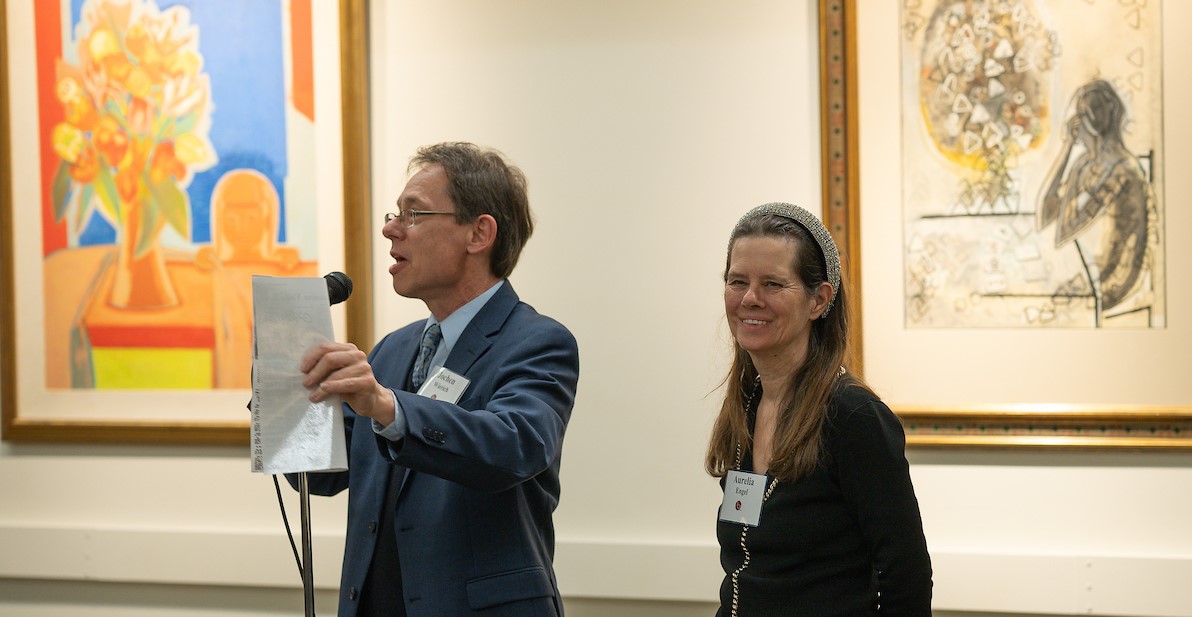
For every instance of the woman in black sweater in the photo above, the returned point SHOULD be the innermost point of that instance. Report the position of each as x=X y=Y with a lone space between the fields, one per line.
x=819 y=516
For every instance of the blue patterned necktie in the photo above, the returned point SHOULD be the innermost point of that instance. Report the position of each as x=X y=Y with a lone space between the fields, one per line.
x=430 y=341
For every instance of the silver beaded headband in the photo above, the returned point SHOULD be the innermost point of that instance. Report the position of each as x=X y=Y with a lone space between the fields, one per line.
x=807 y=221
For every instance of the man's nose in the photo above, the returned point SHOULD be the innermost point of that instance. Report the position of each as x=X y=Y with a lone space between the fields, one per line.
x=392 y=229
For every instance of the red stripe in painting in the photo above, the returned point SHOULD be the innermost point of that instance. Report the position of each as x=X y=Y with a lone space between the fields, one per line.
x=139 y=336
x=48 y=22
x=302 y=50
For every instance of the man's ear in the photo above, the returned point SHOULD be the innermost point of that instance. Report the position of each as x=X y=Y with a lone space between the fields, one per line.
x=483 y=234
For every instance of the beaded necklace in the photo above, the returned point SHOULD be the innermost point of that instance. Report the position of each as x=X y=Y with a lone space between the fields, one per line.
x=736 y=576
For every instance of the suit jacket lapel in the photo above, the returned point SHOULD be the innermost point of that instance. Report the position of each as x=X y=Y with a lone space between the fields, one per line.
x=478 y=336
x=405 y=359
x=402 y=368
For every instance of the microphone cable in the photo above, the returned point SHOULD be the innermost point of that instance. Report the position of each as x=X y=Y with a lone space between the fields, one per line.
x=289 y=534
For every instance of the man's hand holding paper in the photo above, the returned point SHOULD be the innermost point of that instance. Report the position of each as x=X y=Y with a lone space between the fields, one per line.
x=342 y=369
x=292 y=432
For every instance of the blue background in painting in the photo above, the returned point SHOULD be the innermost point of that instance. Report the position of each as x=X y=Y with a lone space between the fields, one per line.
x=241 y=44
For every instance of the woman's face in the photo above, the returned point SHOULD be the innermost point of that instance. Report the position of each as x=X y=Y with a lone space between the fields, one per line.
x=768 y=308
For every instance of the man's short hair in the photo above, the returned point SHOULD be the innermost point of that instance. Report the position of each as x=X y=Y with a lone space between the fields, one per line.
x=480 y=181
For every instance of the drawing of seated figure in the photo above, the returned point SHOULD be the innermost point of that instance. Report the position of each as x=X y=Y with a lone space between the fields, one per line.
x=245 y=212
x=1101 y=200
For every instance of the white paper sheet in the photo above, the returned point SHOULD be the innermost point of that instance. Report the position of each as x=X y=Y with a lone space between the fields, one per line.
x=290 y=434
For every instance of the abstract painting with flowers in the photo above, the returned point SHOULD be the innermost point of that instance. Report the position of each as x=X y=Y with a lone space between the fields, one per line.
x=175 y=149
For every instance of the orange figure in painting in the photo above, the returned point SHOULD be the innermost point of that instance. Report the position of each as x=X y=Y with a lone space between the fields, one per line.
x=246 y=210
x=246 y=215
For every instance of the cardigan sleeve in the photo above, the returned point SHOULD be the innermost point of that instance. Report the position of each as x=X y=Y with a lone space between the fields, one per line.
x=866 y=450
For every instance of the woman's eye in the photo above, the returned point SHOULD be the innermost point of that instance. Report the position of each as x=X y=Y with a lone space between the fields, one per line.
x=773 y=284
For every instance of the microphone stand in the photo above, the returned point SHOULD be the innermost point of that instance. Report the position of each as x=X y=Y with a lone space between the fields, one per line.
x=308 y=576
x=339 y=287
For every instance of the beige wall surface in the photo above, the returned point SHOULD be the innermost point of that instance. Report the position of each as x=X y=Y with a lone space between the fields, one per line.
x=645 y=129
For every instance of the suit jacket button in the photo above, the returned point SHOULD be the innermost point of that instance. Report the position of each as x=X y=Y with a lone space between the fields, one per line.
x=427 y=433
x=352 y=593
x=372 y=527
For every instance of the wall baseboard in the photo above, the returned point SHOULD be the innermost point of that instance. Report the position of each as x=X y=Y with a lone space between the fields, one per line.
x=1058 y=584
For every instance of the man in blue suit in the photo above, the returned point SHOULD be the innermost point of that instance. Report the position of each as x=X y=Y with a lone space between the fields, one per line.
x=452 y=491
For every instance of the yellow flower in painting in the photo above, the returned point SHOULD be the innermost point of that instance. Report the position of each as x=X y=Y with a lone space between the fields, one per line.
x=118 y=67
x=68 y=142
x=71 y=145
x=183 y=63
x=68 y=90
x=138 y=82
x=137 y=116
x=136 y=40
x=103 y=45
x=79 y=110
x=189 y=149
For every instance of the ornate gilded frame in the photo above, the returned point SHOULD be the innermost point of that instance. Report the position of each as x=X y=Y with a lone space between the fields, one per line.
x=1042 y=425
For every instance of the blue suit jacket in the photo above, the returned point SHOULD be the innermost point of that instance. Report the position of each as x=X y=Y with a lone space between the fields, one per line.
x=474 y=517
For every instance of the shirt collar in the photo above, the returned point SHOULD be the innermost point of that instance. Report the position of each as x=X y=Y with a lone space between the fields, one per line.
x=454 y=325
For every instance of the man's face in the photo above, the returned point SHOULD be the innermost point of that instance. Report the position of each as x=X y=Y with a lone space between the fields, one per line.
x=429 y=257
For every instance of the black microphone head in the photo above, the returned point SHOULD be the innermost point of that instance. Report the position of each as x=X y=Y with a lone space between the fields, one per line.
x=339 y=287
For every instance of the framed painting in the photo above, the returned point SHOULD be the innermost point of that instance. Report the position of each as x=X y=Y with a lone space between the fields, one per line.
x=1000 y=196
x=158 y=154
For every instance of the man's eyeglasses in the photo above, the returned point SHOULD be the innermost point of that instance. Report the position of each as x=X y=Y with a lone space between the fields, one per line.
x=408 y=218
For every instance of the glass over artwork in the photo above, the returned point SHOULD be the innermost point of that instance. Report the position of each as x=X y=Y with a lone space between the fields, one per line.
x=177 y=161
x=1032 y=164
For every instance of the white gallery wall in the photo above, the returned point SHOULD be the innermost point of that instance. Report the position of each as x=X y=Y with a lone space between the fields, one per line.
x=645 y=129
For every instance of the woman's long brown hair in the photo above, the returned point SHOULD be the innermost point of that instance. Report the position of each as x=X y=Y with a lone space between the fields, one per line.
x=805 y=401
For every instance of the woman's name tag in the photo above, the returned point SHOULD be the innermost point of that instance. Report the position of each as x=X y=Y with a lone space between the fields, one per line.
x=743 y=494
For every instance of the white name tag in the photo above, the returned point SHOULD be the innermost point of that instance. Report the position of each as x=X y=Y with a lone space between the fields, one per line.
x=743 y=494
x=444 y=385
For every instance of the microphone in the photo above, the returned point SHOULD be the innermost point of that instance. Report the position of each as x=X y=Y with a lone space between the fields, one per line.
x=339 y=287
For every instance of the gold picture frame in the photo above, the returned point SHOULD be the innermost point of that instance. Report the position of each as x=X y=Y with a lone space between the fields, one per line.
x=968 y=423
x=19 y=426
